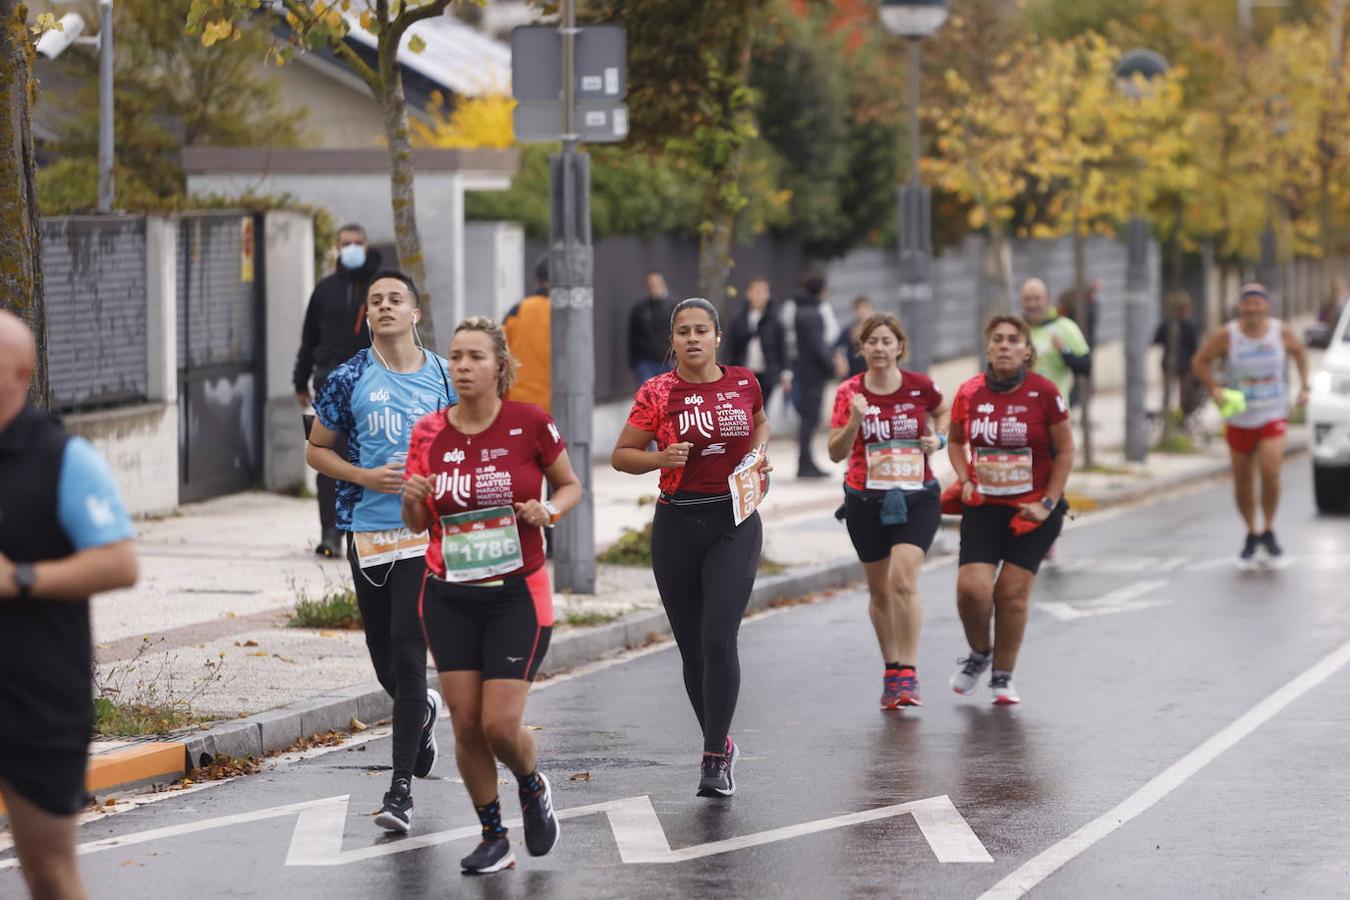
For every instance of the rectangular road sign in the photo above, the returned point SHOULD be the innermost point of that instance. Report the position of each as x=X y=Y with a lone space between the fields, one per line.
x=601 y=63
x=596 y=122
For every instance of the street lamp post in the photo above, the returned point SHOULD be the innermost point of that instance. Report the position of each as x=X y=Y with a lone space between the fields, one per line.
x=1149 y=65
x=52 y=44
x=915 y=20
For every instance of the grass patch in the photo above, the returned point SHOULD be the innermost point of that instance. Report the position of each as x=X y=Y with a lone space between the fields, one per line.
x=336 y=608
x=1175 y=443
x=1106 y=470
x=588 y=619
x=141 y=696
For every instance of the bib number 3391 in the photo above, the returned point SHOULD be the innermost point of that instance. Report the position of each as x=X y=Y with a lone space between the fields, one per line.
x=894 y=464
x=480 y=543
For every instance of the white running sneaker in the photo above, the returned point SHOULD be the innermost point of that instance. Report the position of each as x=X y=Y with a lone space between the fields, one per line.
x=1004 y=692
x=972 y=667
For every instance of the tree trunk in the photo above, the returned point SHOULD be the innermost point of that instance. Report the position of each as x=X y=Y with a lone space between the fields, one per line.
x=995 y=295
x=406 y=236
x=1080 y=313
x=20 y=226
x=714 y=245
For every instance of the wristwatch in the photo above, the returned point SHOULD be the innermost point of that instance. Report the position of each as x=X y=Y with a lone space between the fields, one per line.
x=554 y=514
x=25 y=576
x=1049 y=504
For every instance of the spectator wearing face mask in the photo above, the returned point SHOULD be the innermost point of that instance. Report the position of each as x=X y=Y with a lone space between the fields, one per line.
x=335 y=330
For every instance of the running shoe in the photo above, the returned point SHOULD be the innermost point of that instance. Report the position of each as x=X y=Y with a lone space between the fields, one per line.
x=1249 y=548
x=1270 y=545
x=1004 y=692
x=541 y=824
x=909 y=688
x=396 y=813
x=972 y=667
x=719 y=772
x=492 y=855
x=900 y=687
x=426 y=754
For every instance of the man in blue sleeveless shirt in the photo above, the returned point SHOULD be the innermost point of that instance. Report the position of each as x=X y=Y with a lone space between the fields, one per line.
x=374 y=400
x=64 y=536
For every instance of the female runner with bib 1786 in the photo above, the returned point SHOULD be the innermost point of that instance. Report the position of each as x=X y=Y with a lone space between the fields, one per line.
x=1012 y=449
x=475 y=479
x=881 y=422
x=705 y=419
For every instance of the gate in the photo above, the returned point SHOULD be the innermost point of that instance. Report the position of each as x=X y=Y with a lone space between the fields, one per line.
x=221 y=383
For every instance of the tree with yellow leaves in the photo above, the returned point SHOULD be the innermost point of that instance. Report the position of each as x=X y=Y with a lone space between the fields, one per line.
x=483 y=121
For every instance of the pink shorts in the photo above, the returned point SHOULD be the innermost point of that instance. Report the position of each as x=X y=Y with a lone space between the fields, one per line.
x=1245 y=440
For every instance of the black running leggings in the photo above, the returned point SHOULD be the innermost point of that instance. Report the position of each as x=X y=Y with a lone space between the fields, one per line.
x=705 y=569
x=398 y=650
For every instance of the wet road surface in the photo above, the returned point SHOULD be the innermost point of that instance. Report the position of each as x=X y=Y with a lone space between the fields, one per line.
x=1145 y=643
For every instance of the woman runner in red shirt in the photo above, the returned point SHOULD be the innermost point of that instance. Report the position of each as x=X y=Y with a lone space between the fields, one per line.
x=1012 y=449
x=475 y=474
x=705 y=419
x=887 y=421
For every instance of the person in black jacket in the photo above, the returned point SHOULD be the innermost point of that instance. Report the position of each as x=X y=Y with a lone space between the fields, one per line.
x=812 y=368
x=649 y=330
x=756 y=338
x=335 y=330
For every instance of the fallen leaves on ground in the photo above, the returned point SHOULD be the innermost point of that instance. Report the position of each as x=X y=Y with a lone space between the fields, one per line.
x=579 y=776
x=357 y=726
x=222 y=767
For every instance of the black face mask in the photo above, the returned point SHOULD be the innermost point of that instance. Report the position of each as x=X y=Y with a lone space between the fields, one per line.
x=1004 y=385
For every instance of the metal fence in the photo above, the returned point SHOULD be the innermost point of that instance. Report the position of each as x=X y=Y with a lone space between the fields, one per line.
x=95 y=275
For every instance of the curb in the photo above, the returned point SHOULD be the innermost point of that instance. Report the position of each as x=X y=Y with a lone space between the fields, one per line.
x=136 y=765
x=277 y=729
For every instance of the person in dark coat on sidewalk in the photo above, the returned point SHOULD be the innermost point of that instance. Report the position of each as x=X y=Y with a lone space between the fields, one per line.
x=335 y=330
x=649 y=330
x=756 y=338
x=813 y=367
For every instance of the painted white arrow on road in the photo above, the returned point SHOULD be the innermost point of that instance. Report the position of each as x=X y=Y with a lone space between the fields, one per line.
x=321 y=826
x=1123 y=599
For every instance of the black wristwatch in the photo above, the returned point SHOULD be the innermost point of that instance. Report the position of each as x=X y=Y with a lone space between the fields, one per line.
x=1049 y=504
x=25 y=576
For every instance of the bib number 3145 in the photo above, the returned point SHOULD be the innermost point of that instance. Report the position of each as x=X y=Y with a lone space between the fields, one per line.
x=480 y=543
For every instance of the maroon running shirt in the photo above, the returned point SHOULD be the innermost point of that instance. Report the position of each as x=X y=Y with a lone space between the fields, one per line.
x=1020 y=418
x=899 y=416
x=718 y=418
x=501 y=465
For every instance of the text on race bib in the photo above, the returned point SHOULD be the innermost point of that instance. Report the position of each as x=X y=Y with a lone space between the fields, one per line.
x=894 y=464
x=375 y=548
x=1002 y=472
x=480 y=543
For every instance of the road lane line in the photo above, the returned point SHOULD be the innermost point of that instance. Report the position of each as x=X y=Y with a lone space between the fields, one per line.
x=1049 y=861
x=1122 y=599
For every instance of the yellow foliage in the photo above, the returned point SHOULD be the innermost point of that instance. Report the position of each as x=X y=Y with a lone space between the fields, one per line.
x=483 y=121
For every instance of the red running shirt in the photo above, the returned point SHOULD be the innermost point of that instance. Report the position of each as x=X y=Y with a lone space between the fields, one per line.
x=1020 y=418
x=718 y=418
x=502 y=465
x=898 y=416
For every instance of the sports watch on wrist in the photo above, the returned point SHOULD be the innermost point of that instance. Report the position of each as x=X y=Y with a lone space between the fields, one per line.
x=554 y=514
x=1049 y=504
x=25 y=576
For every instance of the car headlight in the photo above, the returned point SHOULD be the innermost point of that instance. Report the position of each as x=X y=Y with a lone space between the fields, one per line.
x=1328 y=382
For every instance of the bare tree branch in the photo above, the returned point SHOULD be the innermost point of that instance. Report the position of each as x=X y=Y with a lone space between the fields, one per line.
x=409 y=17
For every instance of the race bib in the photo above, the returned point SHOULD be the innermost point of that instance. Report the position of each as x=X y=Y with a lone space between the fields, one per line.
x=1263 y=393
x=374 y=548
x=1003 y=473
x=748 y=485
x=480 y=543
x=894 y=464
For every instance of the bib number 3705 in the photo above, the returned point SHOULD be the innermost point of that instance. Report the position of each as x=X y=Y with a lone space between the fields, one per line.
x=480 y=543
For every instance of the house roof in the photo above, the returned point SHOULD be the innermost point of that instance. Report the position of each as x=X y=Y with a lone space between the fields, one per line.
x=457 y=56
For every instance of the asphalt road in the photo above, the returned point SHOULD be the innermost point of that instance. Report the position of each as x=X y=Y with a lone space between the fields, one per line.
x=1182 y=733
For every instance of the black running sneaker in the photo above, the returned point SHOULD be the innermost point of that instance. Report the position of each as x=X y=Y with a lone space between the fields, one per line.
x=719 y=772
x=1270 y=545
x=541 y=824
x=492 y=855
x=396 y=814
x=1249 y=547
x=426 y=754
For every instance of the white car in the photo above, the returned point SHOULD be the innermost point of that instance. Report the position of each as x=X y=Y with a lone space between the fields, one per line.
x=1329 y=420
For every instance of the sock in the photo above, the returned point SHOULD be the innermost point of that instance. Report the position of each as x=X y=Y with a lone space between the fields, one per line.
x=531 y=783
x=903 y=666
x=892 y=666
x=997 y=672
x=405 y=775
x=981 y=655
x=490 y=815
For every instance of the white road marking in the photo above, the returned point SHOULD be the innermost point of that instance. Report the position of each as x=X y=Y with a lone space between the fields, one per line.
x=321 y=826
x=1122 y=599
x=1046 y=863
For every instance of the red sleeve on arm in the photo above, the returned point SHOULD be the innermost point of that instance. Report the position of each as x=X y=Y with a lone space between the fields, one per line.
x=419 y=445
x=759 y=393
x=548 y=440
x=843 y=397
x=1056 y=410
x=959 y=406
x=644 y=415
x=932 y=396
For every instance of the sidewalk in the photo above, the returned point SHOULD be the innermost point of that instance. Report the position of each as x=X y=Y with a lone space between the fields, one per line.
x=219 y=581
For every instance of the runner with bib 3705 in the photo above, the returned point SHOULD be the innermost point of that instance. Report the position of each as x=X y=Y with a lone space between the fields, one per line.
x=887 y=421
x=475 y=481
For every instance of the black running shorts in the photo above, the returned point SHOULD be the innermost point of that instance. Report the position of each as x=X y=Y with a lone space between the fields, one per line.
x=986 y=537
x=52 y=780
x=874 y=541
x=501 y=631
